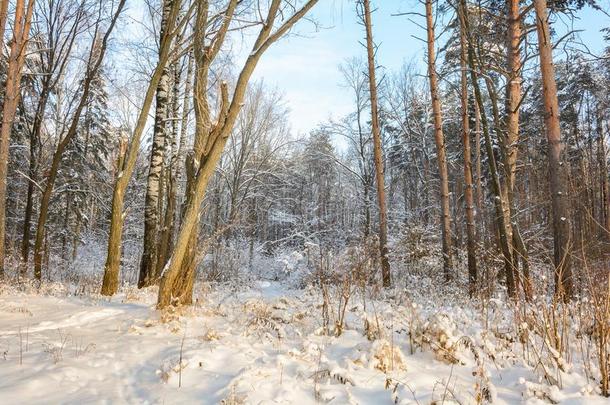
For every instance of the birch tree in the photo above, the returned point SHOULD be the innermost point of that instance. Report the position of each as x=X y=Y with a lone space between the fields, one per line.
x=127 y=162
x=153 y=204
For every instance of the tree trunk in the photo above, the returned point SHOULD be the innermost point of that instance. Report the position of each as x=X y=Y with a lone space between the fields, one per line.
x=153 y=189
x=503 y=239
x=203 y=127
x=152 y=205
x=171 y=171
x=558 y=170
x=477 y=145
x=12 y=93
x=513 y=102
x=188 y=88
x=468 y=193
x=511 y=262
x=111 y=268
x=440 y=147
x=378 y=153
x=110 y=284
x=176 y=285
x=513 y=97
x=3 y=18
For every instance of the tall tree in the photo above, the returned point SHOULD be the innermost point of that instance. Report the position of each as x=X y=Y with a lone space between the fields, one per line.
x=510 y=143
x=152 y=208
x=177 y=281
x=558 y=170
x=439 y=138
x=503 y=224
x=204 y=56
x=468 y=192
x=127 y=163
x=378 y=153
x=174 y=163
x=12 y=93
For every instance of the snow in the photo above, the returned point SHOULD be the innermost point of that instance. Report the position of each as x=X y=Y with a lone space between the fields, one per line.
x=262 y=345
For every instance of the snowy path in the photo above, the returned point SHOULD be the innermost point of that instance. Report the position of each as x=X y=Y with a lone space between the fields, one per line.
x=259 y=347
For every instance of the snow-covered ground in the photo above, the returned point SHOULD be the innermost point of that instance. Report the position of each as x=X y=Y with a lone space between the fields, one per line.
x=265 y=345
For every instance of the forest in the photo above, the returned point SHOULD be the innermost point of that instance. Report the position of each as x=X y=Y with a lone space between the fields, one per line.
x=168 y=236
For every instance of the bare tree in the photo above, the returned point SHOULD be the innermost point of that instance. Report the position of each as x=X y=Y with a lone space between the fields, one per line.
x=500 y=207
x=127 y=163
x=210 y=139
x=359 y=138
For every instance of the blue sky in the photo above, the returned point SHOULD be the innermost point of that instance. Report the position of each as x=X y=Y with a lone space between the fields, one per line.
x=305 y=66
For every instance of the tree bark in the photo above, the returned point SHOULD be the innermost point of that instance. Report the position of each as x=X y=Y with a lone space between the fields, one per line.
x=55 y=51
x=3 y=18
x=513 y=102
x=377 y=151
x=21 y=31
x=127 y=165
x=152 y=205
x=468 y=193
x=440 y=147
x=171 y=172
x=558 y=170
x=110 y=283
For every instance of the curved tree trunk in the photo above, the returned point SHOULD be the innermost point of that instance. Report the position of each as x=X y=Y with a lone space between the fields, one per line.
x=110 y=283
x=176 y=284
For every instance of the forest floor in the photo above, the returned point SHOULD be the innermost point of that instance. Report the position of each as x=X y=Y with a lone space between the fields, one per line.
x=267 y=345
